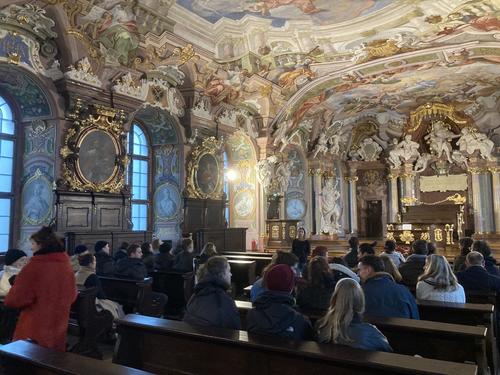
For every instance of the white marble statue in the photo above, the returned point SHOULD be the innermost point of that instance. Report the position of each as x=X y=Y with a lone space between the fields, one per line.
x=439 y=139
x=459 y=159
x=322 y=145
x=283 y=172
x=330 y=208
x=422 y=163
x=471 y=140
x=406 y=150
x=265 y=171
x=334 y=143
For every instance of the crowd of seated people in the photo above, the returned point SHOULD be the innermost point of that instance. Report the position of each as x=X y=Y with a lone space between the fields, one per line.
x=339 y=290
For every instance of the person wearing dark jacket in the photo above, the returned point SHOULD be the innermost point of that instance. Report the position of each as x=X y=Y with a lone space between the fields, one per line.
x=351 y=258
x=316 y=294
x=148 y=256
x=490 y=264
x=414 y=265
x=184 y=260
x=164 y=260
x=384 y=297
x=273 y=312
x=132 y=266
x=105 y=264
x=122 y=252
x=210 y=304
x=476 y=277
x=301 y=248
x=465 y=248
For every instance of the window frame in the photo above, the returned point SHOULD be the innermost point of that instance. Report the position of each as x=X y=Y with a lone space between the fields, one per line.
x=148 y=159
x=12 y=196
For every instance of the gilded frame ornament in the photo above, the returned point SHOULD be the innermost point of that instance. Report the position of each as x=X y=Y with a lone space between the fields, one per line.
x=210 y=149
x=87 y=121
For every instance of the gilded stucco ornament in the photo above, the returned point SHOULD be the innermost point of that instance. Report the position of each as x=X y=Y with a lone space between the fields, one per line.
x=94 y=154
x=82 y=72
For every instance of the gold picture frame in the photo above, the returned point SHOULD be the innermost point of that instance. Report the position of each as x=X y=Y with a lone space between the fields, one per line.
x=204 y=171
x=94 y=152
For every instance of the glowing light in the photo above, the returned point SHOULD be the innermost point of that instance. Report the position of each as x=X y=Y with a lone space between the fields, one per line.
x=231 y=174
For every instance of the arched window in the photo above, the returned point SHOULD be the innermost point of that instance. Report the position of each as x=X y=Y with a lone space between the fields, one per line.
x=138 y=176
x=7 y=155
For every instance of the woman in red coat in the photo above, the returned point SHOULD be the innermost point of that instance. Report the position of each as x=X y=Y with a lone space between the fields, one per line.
x=44 y=291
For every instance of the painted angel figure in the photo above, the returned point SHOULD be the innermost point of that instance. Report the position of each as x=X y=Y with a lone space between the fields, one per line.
x=283 y=173
x=322 y=145
x=264 y=7
x=265 y=171
x=334 y=142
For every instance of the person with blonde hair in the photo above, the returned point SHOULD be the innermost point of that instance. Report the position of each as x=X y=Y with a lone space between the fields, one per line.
x=391 y=269
x=438 y=282
x=343 y=323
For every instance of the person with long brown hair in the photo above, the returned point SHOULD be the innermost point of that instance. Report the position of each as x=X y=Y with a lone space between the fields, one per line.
x=317 y=292
x=343 y=323
x=44 y=291
x=438 y=282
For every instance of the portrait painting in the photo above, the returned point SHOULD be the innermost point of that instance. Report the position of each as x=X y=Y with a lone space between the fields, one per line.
x=97 y=161
x=207 y=174
x=244 y=204
x=37 y=199
x=167 y=201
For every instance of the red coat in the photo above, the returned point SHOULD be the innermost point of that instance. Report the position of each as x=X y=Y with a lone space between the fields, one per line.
x=44 y=291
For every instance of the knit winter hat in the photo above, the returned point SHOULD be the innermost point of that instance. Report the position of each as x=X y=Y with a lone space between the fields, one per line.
x=99 y=245
x=12 y=255
x=80 y=249
x=280 y=278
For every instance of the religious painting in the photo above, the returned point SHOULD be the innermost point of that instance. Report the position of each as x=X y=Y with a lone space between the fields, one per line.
x=295 y=208
x=320 y=12
x=94 y=151
x=207 y=174
x=167 y=202
x=244 y=204
x=37 y=199
x=204 y=170
x=97 y=156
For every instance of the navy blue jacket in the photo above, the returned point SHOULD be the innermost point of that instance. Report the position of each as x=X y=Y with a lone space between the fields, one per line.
x=384 y=297
x=478 y=278
x=273 y=314
x=491 y=266
x=210 y=305
x=131 y=268
x=104 y=264
x=363 y=335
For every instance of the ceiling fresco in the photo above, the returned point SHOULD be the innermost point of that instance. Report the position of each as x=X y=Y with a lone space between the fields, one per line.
x=319 y=12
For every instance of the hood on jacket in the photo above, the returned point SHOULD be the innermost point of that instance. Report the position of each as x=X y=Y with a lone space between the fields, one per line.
x=209 y=285
x=380 y=275
x=275 y=310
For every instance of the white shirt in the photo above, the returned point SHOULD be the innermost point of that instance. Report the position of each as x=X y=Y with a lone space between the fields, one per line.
x=396 y=257
x=428 y=292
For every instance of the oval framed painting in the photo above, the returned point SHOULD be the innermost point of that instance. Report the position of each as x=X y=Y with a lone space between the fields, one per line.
x=97 y=157
x=37 y=199
x=244 y=204
x=167 y=202
x=295 y=208
x=207 y=174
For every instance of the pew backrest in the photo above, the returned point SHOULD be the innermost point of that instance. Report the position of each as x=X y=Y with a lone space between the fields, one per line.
x=23 y=357
x=144 y=341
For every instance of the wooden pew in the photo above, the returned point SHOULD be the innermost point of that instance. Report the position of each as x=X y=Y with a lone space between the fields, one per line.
x=8 y=320
x=135 y=296
x=261 y=261
x=144 y=343
x=23 y=357
x=468 y=314
x=177 y=285
x=91 y=324
x=243 y=274
x=248 y=253
x=449 y=342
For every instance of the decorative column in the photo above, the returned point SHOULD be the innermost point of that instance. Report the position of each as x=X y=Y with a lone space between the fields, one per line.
x=482 y=201
x=495 y=182
x=393 y=196
x=408 y=183
x=316 y=176
x=352 y=179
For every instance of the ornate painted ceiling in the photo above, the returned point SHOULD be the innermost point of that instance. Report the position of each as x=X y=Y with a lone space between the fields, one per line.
x=302 y=66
